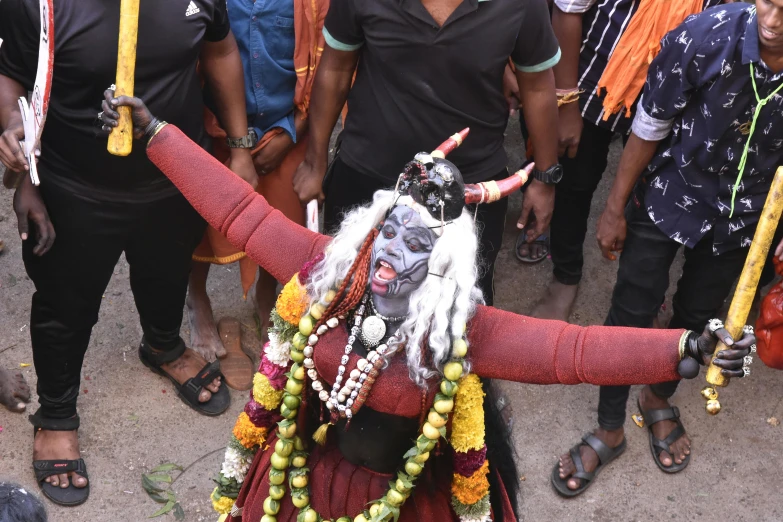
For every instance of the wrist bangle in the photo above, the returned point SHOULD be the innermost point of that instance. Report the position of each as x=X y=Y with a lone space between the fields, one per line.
x=684 y=343
x=570 y=97
x=153 y=129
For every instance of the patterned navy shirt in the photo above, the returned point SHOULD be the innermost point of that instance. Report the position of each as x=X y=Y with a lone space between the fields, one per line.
x=699 y=101
x=603 y=24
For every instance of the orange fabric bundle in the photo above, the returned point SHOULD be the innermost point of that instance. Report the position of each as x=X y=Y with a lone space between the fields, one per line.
x=769 y=326
x=626 y=72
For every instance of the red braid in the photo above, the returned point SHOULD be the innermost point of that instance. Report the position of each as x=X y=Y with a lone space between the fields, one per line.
x=351 y=291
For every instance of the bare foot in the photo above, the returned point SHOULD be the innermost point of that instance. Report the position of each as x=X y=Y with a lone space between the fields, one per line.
x=590 y=458
x=682 y=446
x=533 y=250
x=14 y=392
x=188 y=366
x=59 y=445
x=557 y=302
x=204 y=337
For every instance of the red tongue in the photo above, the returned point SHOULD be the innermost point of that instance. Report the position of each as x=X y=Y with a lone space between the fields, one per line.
x=387 y=272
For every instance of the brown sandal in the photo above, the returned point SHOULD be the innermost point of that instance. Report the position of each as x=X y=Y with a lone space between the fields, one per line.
x=236 y=366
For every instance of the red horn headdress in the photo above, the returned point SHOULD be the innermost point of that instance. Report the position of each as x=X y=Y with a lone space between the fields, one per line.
x=436 y=183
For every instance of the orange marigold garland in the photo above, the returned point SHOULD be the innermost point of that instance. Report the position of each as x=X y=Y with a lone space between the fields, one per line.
x=292 y=302
x=469 y=486
x=247 y=433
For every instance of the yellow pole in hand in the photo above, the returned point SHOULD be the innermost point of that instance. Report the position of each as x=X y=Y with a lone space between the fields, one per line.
x=121 y=137
x=748 y=282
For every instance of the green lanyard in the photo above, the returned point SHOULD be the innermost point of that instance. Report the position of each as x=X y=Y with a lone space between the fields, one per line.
x=760 y=103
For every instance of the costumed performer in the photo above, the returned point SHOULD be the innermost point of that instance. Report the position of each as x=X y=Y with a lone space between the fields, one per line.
x=383 y=336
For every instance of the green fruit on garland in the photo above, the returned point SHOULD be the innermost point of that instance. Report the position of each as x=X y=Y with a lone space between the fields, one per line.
x=301 y=501
x=271 y=506
x=278 y=462
x=276 y=492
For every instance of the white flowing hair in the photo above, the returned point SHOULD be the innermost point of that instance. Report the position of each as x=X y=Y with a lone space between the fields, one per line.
x=440 y=307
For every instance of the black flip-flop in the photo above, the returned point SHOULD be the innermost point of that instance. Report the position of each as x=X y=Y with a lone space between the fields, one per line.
x=70 y=496
x=657 y=445
x=542 y=240
x=191 y=389
x=43 y=469
x=605 y=456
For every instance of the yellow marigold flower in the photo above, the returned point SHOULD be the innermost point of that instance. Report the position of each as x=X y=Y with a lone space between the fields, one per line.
x=247 y=433
x=222 y=505
x=467 y=431
x=292 y=302
x=470 y=490
x=264 y=394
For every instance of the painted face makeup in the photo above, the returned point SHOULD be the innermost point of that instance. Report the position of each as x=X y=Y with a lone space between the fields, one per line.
x=400 y=259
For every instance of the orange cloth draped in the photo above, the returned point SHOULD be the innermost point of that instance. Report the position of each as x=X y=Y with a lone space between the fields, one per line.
x=626 y=71
x=275 y=186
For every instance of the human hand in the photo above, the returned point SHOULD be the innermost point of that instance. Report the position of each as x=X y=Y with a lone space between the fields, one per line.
x=11 y=153
x=273 y=154
x=779 y=251
x=139 y=113
x=29 y=207
x=732 y=359
x=241 y=164
x=570 y=129
x=610 y=233
x=308 y=181
x=540 y=200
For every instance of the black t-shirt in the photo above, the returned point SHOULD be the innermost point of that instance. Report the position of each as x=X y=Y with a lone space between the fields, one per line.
x=171 y=33
x=418 y=83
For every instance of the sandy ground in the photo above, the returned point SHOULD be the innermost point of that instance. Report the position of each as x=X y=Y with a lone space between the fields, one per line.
x=133 y=421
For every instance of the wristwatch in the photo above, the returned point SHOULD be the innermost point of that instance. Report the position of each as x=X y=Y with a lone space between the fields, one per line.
x=245 y=142
x=550 y=176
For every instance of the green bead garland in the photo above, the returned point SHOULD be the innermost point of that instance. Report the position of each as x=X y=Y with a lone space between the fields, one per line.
x=290 y=451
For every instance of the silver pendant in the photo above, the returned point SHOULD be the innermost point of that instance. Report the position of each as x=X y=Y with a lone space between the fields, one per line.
x=373 y=330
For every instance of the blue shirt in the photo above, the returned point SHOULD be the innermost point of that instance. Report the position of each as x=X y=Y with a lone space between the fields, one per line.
x=603 y=24
x=699 y=101
x=264 y=31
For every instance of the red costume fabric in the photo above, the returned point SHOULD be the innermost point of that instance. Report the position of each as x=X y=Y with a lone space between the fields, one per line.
x=769 y=326
x=503 y=345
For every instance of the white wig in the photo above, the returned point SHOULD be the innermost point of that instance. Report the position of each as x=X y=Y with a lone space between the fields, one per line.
x=439 y=309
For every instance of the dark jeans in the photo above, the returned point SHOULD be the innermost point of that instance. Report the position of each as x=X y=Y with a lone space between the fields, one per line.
x=573 y=197
x=642 y=280
x=158 y=239
x=347 y=188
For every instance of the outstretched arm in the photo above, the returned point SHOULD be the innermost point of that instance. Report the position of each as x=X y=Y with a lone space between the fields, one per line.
x=524 y=349
x=228 y=203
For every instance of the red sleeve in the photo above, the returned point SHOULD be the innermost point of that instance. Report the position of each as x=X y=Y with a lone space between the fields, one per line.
x=516 y=348
x=231 y=206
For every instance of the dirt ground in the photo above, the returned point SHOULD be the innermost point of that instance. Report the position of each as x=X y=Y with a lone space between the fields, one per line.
x=133 y=421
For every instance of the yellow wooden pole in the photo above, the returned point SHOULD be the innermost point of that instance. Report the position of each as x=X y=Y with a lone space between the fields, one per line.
x=121 y=137
x=748 y=281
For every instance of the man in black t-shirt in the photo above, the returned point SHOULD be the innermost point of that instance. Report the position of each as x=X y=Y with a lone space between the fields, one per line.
x=428 y=69
x=100 y=205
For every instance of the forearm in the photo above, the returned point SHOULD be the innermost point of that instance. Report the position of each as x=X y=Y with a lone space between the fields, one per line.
x=523 y=349
x=330 y=91
x=10 y=92
x=637 y=154
x=539 y=103
x=568 y=30
x=222 y=68
x=232 y=207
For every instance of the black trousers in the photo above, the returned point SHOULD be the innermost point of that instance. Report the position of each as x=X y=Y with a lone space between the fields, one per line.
x=642 y=280
x=347 y=188
x=158 y=239
x=573 y=197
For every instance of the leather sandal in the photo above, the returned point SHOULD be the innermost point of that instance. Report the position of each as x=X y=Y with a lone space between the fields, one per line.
x=43 y=469
x=190 y=390
x=605 y=456
x=657 y=445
